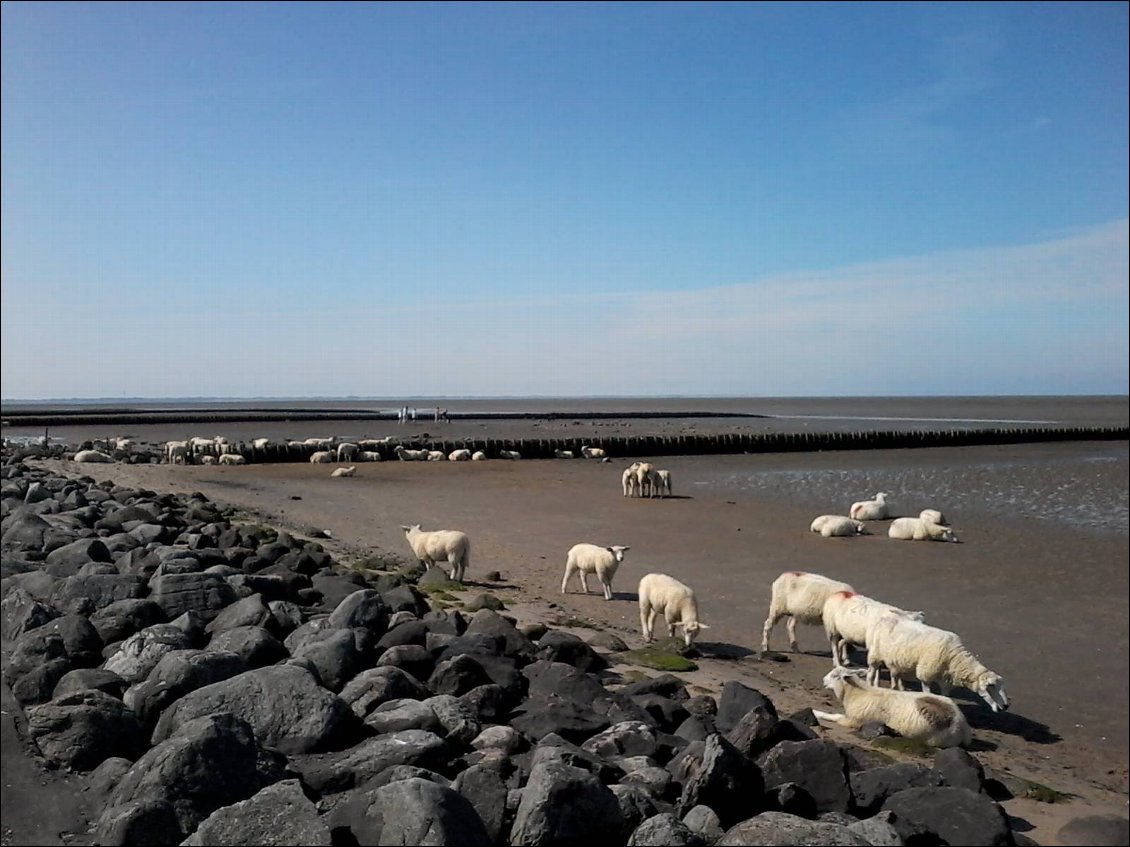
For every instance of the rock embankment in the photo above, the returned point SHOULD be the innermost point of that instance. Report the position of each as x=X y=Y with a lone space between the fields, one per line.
x=226 y=683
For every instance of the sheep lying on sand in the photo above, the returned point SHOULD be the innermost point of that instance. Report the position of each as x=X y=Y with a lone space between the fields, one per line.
x=593 y=453
x=207 y=460
x=231 y=459
x=512 y=455
x=847 y=617
x=870 y=510
x=584 y=559
x=406 y=455
x=322 y=457
x=436 y=456
x=838 y=525
x=370 y=456
x=92 y=457
x=478 y=456
x=933 y=516
x=440 y=545
x=461 y=455
x=798 y=596
x=913 y=650
x=665 y=595
x=917 y=529
x=338 y=472
x=929 y=718
x=563 y=454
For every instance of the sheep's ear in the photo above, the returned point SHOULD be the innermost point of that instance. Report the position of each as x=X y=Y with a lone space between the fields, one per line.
x=406 y=528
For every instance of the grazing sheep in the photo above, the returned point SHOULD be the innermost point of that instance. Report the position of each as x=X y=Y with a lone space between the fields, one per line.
x=831 y=526
x=661 y=594
x=799 y=596
x=93 y=457
x=322 y=457
x=593 y=453
x=512 y=455
x=350 y=471
x=929 y=718
x=917 y=529
x=870 y=510
x=463 y=455
x=933 y=516
x=584 y=559
x=662 y=483
x=347 y=452
x=478 y=456
x=848 y=615
x=645 y=479
x=440 y=545
x=629 y=482
x=563 y=454
x=231 y=459
x=370 y=456
x=406 y=455
x=910 y=649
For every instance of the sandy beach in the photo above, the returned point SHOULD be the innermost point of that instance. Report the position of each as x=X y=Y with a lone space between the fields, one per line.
x=1043 y=605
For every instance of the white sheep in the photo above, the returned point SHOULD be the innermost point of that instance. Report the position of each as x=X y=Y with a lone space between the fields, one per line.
x=512 y=455
x=320 y=443
x=831 y=526
x=913 y=650
x=593 y=453
x=662 y=594
x=322 y=457
x=207 y=460
x=563 y=454
x=478 y=456
x=231 y=459
x=462 y=455
x=870 y=510
x=370 y=456
x=406 y=455
x=436 y=456
x=176 y=452
x=629 y=483
x=93 y=457
x=847 y=617
x=930 y=718
x=917 y=529
x=440 y=545
x=338 y=472
x=798 y=596
x=260 y=443
x=662 y=482
x=584 y=559
x=123 y=444
x=347 y=452
x=645 y=479
x=933 y=516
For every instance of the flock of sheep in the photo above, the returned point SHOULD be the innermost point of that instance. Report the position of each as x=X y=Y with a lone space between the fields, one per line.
x=930 y=525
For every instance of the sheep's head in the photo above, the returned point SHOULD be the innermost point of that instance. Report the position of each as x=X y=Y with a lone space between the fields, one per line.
x=690 y=630
x=990 y=687
x=618 y=552
x=837 y=677
x=861 y=528
x=408 y=530
x=947 y=534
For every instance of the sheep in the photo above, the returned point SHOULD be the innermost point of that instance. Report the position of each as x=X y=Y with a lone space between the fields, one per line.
x=463 y=455
x=320 y=443
x=799 y=596
x=435 y=455
x=338 y=472
x=645 y=479
x=440 y=545
x=347 y=452
x=584 y=559
x=370 y=456
x=176 y=451
x=93 y=457
x=512 y=455
x=661 y=594
x=933 y=516
x=207 y=460
x=847 y=616
x=478 y=456
x=662 y=482
x=231 y=459
x=629 y=483
x=406 y=455
x=563 y=454
x=260 y=443
x=322 y=457
x=911 y=649
x=917 y=529
x=929 y=718
x=123 y=444
x=593 y=453
x=838 y=525
x=870 y=510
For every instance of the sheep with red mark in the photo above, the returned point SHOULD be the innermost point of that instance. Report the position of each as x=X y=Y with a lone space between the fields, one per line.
x=847 y=617
x=798 y=596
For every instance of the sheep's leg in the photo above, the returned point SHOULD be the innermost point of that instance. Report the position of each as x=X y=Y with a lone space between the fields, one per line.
x=791 y=625
x=645 y=623
x=837 y=645
x=569 y=568
x=825 y=718
x=607 y=588
x=767 y=630
x=873 y=672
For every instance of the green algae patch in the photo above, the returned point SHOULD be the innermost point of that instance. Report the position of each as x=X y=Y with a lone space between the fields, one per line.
x=657 y=659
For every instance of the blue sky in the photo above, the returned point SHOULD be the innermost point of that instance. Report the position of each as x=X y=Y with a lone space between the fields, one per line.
x=790 y=199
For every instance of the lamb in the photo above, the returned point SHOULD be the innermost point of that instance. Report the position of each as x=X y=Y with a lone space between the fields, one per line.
x=512 y=455
x=661 y=594
x=662 y=482
x=847 y=617
x=478 y=456
x=870 y=510
x=917 y=529
x=584 y=559
x=929 y=718
x=338 y=472
x=838 y=525
x=440 y=545
x=933 y=516
x=347 y=452
x=933 y=656
x=435 y=455
x=322 y=457
x=231 y=459
x=593 y=453
x=463 y=455
x=799 y=596
x=93 y=457
x=563 y=454
x=645 y=479
x=370 y=456
x=629 y=482
x=406 y=455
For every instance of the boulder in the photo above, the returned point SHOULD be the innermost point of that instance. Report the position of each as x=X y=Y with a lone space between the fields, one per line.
x=562 y=804
x=416 y=812
x=953 y=815
x=819 y=767
x=279 y=814
x=787 y=830
x=722 y=779
x=82 y=729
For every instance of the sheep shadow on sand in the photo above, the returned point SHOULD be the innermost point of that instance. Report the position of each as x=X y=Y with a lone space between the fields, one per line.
x=981 y=717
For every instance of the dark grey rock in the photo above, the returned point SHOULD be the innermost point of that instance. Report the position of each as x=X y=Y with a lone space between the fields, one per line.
x=459 y=721
x=818 y=767
x=419 y=812
x=176 y=674
x=372 y=687
x=871 y=788
x=787 y=830
x=22 y=612
x=514 y=644
x=722 y=779
x=457 y=676
x=86 y=593
x=557 y=646
x=398 y=715
x=96 y=679
x=562 y=804
x=68 y=560
x=953 y=815
x=204 y=594
x=254 y=644
x=136 y=657
x=332 y=772
x=543 y=714
x=628 y=738
x=735 y=701
x=334 y=654
x=485 y=789
x=959 y=769
x=279 y=814
x=664 y=829
x=1099 y=830
x=81 y=730
x=250 y=611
